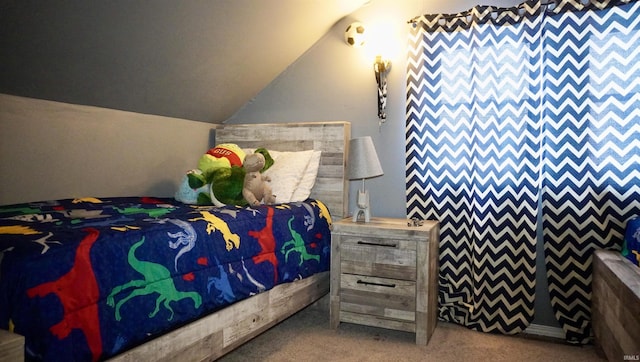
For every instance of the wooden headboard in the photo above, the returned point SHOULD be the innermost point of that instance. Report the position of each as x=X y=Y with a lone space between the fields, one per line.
x=332 y=138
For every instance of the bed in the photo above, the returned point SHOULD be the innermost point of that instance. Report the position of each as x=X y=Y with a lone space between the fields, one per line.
x=615 y=301
x=156 y=294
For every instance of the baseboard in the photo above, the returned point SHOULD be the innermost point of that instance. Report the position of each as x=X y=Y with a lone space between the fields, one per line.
x=545 y=331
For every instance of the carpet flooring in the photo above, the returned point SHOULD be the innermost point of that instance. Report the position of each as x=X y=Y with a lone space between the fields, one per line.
x=306 y=336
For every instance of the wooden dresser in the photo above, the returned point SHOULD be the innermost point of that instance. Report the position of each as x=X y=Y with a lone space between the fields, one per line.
x=385 y=274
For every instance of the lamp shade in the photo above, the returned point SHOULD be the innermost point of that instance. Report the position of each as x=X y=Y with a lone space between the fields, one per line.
x=363 y=159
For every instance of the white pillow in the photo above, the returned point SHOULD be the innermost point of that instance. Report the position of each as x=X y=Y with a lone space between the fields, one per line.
x=286 y=172
x=303 y=190
x=293 y=174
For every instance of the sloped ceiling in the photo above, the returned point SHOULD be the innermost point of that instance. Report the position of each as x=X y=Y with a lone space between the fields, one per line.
x=199 y=60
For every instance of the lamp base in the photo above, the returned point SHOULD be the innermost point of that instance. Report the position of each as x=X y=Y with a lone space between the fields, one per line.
x=362 y=209
x=362 y=215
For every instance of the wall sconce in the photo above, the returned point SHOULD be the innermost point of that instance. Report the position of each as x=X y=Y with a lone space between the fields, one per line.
x=355 y=36
x=381 y=68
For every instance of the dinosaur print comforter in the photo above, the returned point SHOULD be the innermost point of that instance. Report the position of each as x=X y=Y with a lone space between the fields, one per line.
x=88 y=278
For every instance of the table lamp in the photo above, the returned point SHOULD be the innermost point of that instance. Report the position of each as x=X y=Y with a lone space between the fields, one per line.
x=363 y=164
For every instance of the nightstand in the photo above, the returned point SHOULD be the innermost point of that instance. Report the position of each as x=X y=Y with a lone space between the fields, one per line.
x=384 y=273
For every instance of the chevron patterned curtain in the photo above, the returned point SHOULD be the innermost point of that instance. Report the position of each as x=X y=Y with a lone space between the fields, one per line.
x=509 y=109
x=591 y=172
x=473 y=159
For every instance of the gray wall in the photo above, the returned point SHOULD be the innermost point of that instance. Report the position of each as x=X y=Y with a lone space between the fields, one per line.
x=333 y=81
x=51 y=150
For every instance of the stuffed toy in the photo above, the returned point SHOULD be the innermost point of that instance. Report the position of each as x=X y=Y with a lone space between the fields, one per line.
x=188 y=194
x=256 y=187
x=226 y=186
x=217 y=180
x=223 y=155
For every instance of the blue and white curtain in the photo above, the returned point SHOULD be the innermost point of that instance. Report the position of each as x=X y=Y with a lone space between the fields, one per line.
x=524 y=122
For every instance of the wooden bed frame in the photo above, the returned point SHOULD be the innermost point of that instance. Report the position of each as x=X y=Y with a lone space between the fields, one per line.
x=615 y=306
x=216 y=334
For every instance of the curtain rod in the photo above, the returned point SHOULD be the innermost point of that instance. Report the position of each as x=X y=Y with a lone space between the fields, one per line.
x=459 y=15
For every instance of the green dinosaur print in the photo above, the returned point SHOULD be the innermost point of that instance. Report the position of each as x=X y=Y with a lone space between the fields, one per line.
x=155 y=213
x=298 y=245
x=157 y=279
x=22 y=210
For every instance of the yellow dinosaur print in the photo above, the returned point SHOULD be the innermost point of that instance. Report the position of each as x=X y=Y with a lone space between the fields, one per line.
x=324 y=211
x=216 y=223
x=92 y=200
x=125 y=228
x=283 y=207
x=637 y=254
x=16 y=229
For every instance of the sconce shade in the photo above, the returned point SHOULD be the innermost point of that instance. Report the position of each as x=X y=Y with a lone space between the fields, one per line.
x=363 y=159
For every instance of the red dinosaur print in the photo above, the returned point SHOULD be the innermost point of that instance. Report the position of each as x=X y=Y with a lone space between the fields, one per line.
x=151 y=200
x=268 y=244
x=80 y=309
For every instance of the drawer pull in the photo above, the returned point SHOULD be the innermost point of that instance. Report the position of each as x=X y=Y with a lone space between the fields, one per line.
x=376 y=244
x=377 y=284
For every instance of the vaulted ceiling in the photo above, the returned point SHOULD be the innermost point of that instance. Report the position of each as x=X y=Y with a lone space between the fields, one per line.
x=192 y=59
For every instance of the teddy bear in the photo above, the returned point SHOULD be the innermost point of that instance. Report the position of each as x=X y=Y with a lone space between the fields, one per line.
x=256 y=187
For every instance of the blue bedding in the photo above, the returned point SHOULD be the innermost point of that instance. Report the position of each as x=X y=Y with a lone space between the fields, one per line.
x=88 y=278
x=631 y=243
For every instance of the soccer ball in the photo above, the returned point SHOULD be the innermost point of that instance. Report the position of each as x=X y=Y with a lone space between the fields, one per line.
x=354 y=35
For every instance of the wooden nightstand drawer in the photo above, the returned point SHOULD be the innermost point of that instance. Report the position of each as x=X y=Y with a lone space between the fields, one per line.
x=377 y=296
x=378 y=257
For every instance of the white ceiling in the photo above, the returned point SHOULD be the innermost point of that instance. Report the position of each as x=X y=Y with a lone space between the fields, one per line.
x=194 y=59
